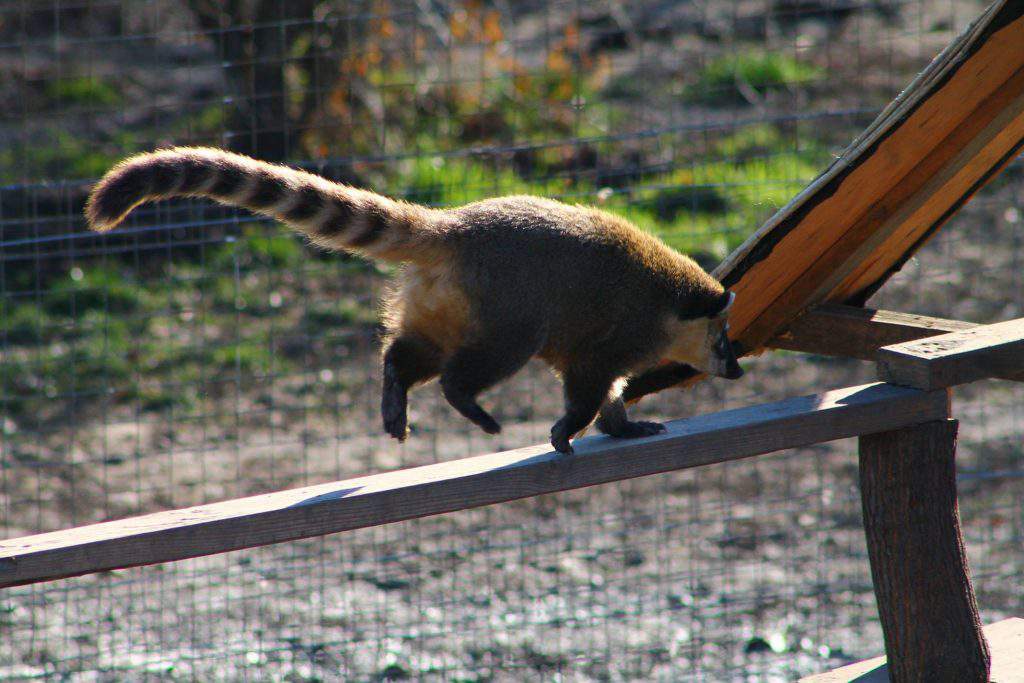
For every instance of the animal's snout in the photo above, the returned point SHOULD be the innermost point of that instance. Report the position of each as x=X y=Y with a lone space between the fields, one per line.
x=729 y=367
x=734 y=371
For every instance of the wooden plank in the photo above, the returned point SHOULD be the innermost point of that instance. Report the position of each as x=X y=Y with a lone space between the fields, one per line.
x=881 y=195
x=922 y=201
x=918 y=563
x=472 y=482
x=981 y=152
x=948 y=133
x=956 y=358
x=854 y=332
x=1005 y=640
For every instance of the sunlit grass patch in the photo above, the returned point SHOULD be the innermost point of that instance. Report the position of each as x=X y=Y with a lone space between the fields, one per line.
x=707 y=204
x=83 y=90
x=436 y=181
x=737 y=78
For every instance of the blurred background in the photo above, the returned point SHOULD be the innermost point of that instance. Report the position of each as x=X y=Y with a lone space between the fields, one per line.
x=200 y=353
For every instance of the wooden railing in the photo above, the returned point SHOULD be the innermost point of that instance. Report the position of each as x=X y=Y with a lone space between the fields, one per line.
x=460 y=484
x=908 y=482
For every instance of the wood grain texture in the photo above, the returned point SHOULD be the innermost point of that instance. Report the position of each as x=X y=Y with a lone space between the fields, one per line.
x=956 y=358
x=987 y=140
x=472 y=482
x=854 y=332
x=888 y=189
x=947 y=134
x=918 y=565
x=1005 y=640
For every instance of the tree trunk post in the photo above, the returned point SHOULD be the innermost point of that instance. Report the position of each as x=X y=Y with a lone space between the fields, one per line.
x=922 y=583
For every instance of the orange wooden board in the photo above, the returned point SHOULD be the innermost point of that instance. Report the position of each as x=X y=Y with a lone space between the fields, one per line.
x=951 y=131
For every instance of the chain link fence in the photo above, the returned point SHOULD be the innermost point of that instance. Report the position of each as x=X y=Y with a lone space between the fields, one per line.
x=199 y=353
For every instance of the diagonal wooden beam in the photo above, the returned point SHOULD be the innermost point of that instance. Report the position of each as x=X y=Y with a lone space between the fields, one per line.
x=928 y=152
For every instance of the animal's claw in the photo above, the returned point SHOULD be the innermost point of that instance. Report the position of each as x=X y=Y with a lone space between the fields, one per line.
x=560 y=438
x=394 y=412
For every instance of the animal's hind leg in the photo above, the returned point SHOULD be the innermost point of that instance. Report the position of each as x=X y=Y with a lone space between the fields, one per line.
x=476 y=367
x=612 y=420
x=408 y=361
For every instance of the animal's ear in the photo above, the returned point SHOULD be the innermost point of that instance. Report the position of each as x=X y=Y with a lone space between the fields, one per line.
x=722 y=304
x=694 y=305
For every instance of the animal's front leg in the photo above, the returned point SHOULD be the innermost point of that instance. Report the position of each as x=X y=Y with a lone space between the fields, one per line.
x=613 y=421
x=657 y=379
x=585 y=390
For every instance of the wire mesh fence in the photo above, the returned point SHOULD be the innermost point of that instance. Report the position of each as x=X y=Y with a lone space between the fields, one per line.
x=199 y=353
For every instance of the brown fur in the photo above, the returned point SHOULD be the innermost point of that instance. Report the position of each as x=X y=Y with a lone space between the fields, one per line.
x=486 y=286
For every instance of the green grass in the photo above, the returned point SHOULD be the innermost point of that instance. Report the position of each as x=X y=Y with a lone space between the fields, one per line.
x=733 y=78
x=250 y=357
x=729 y=197
x=451 y=182
x=709 y=205
x=39 y=383
x=322 y=316
x=25 y=324
x=96 y=288
x=62 y=155
x=105 y=336
x=197 y=123
x=83 y=90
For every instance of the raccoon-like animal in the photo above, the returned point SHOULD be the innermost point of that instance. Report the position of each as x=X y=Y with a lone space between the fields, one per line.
x=485 y=287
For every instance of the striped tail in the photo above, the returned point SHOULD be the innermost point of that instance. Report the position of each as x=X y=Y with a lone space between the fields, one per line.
x=332 y=215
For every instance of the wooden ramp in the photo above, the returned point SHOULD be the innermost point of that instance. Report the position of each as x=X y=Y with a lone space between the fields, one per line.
x=950 y=132
x=954 y=128
x=1005 y=641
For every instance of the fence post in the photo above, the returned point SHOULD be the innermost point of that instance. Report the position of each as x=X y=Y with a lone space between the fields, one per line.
x=925 y=599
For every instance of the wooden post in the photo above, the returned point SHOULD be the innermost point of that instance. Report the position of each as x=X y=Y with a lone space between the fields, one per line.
x=925 y=598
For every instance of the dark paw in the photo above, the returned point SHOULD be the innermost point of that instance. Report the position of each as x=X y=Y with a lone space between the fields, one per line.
x=396 y=419
x=481 y=418
x=560 y=438
x=635 y=430
x=397 y=427
x=471 y=410
x=488 y=423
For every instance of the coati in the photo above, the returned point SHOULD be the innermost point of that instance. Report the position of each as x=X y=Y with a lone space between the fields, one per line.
x=486 y=286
